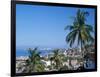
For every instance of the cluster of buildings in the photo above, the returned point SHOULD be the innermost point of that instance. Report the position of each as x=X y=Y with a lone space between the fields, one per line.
x=73 y=53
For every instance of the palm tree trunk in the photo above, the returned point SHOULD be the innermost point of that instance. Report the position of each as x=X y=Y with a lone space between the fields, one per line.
x=82 y=54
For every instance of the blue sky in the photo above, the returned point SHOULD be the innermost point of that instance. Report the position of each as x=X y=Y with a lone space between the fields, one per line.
x=43 y=26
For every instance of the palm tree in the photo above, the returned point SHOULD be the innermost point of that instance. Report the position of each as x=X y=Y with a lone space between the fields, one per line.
x=79 y=30
x=57 y=58
x=33 y=63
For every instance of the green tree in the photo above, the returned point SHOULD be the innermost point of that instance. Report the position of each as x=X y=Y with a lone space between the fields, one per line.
x=79 y=30
x=57 y=58
x=33 y=63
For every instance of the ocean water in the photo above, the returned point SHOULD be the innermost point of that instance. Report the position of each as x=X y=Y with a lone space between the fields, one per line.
x=22 y=52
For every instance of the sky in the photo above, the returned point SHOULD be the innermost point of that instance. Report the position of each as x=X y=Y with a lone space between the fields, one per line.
x=43 y=26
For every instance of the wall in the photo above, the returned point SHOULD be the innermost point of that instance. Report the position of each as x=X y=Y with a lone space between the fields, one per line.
x=5 y=38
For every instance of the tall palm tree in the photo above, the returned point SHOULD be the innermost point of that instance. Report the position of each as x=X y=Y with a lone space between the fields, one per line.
x=33 y=63
x=79 y=30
